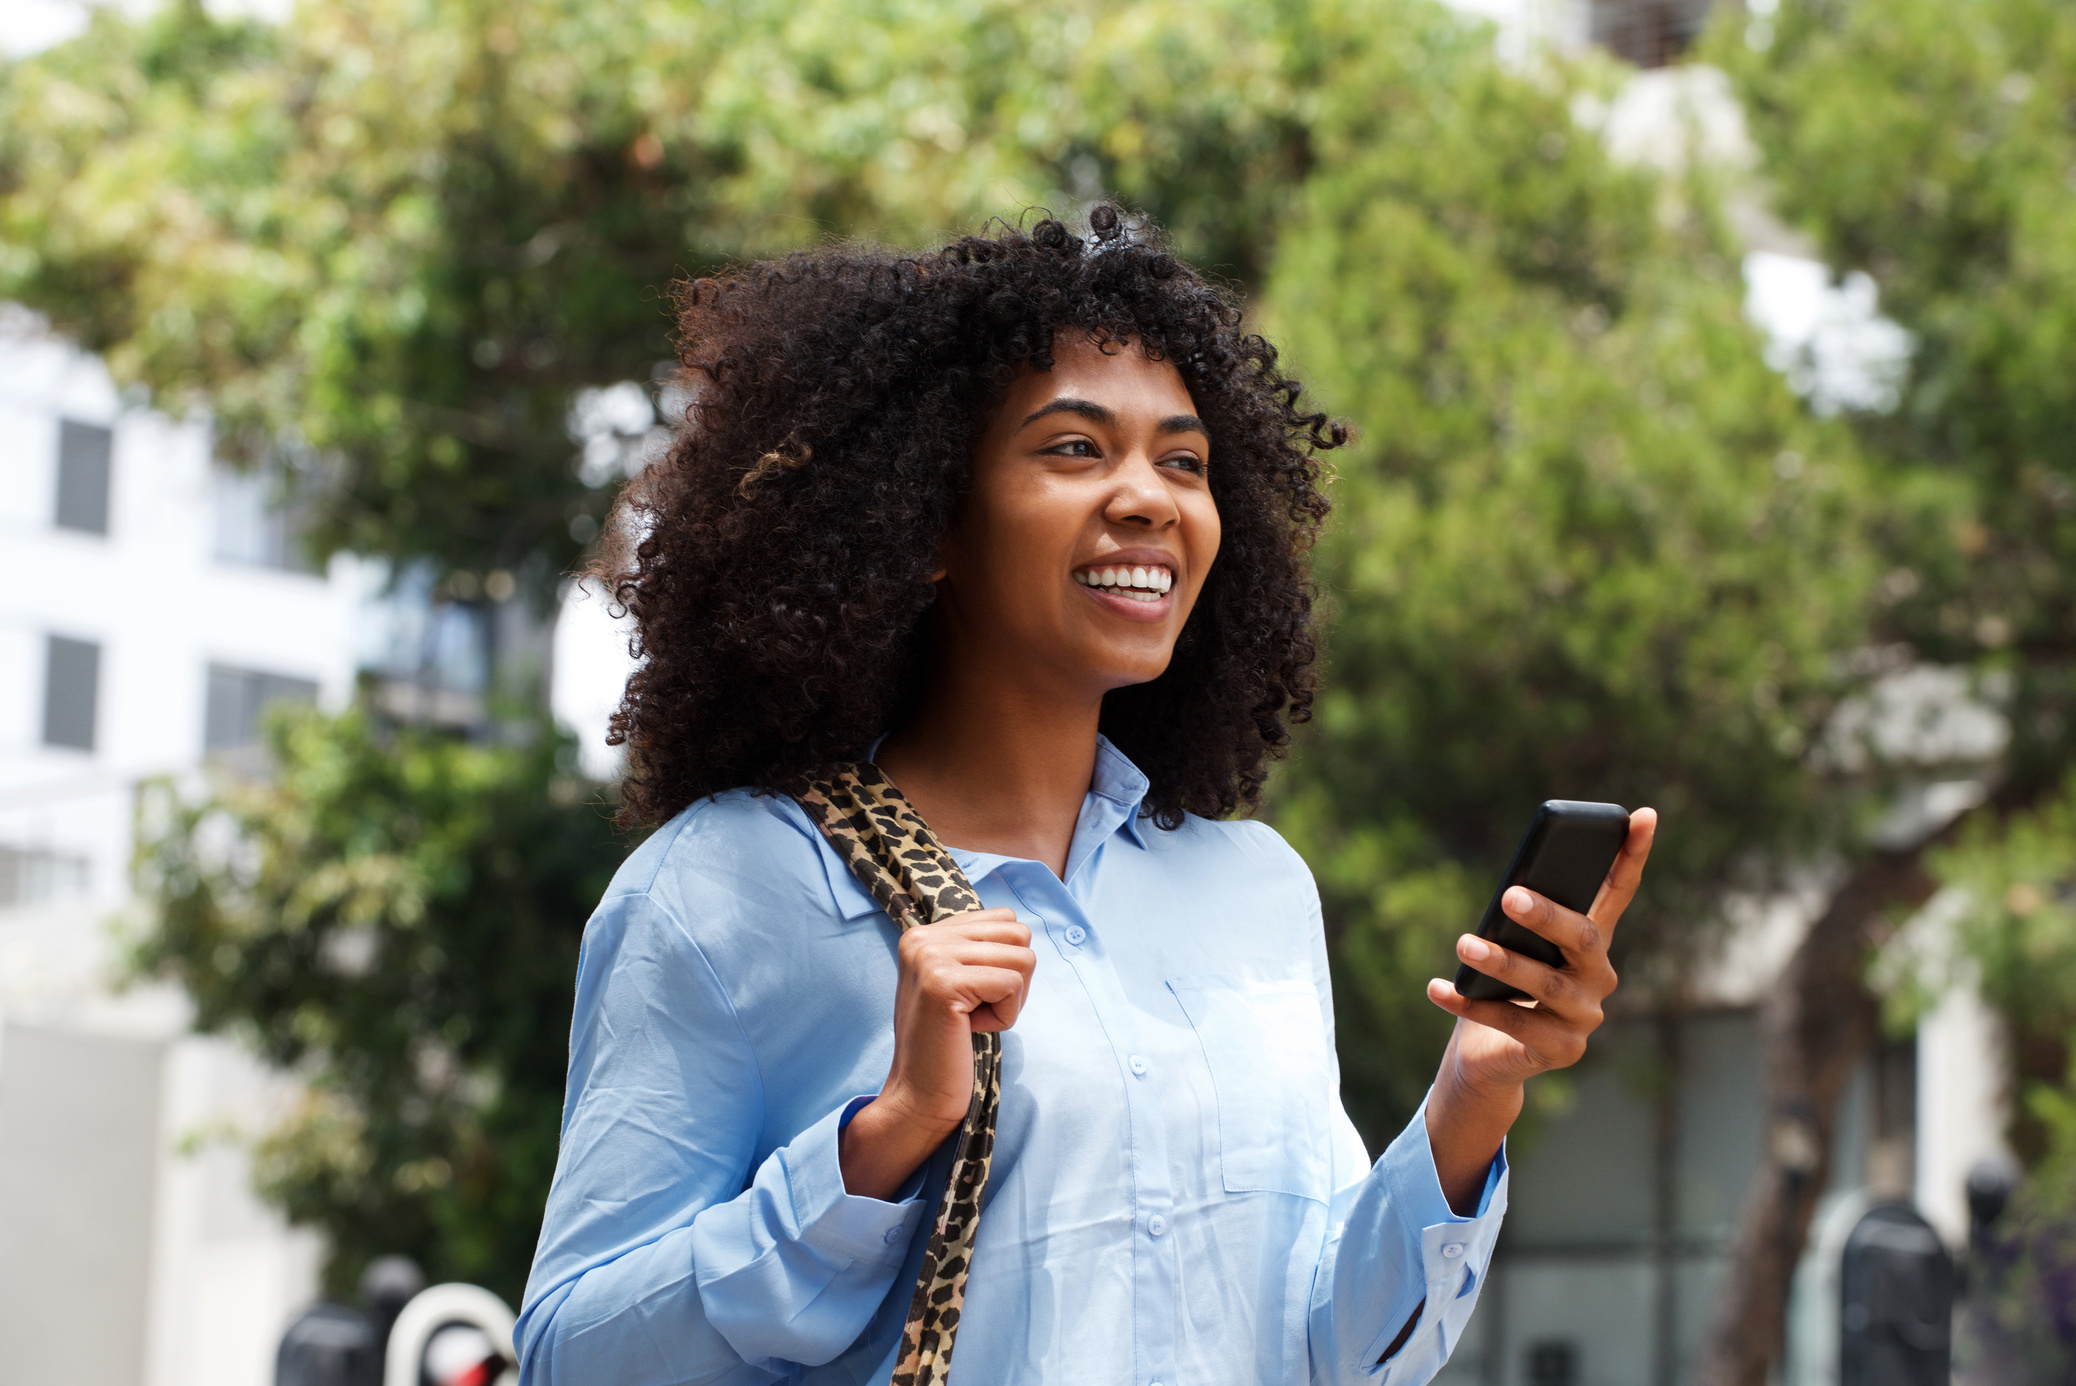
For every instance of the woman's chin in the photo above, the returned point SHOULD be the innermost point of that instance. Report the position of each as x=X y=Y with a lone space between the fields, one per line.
x=1124 y=666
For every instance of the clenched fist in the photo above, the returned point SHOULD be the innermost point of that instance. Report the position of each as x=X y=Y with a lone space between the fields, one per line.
x=960 y=977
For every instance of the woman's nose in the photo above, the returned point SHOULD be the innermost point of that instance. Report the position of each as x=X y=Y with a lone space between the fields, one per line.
x=1140 y=496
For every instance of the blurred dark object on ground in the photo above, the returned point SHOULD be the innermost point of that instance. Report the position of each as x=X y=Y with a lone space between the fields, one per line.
x=1896 y=1302
x=329 y=1345
x=333 y=1344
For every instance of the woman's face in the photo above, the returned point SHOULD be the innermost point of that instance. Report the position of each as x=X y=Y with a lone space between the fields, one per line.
x=1081 y=547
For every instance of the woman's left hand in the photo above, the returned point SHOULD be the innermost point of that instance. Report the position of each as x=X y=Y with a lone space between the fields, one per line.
x=1499 y=1045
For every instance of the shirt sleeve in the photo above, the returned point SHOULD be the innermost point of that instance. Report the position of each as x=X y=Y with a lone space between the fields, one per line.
x=1396 y=1251
x=664 y=1258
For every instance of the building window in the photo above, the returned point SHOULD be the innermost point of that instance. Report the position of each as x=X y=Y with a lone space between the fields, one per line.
x=71 y=691
x=1649 y=33
x=252 y=525
x=432 y=649
x=33 y=876
x=1553 y=1363
x=83 y=453
x=238 y=699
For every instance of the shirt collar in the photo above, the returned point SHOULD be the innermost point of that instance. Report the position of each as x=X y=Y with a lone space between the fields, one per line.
x=1123 y=784
x=1117 y=792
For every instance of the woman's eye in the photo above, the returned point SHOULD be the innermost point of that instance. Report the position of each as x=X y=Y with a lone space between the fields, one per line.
x=1193 y=465
x=1074 y=447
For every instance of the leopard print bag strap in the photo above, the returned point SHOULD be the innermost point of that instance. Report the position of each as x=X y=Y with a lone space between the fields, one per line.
x=901 y=863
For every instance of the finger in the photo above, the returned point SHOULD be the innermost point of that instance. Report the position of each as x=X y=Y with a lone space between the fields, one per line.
x=1627 y=873
x=929 y=939
x=1582 y=942
x=1003 y=930
x=996 y=915
x=942 y=965
x=1549 y=1041
x=994 y=999
x=1554 y=988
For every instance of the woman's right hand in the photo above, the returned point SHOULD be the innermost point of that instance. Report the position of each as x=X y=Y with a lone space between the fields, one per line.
x=962 y=976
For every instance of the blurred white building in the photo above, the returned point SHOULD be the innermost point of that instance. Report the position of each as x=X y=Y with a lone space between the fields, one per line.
x=158 y=604
x=154 y=605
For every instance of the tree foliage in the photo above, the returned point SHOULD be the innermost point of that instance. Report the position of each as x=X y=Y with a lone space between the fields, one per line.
x=1933 y=147
x=395 y=916
x=1588 y=547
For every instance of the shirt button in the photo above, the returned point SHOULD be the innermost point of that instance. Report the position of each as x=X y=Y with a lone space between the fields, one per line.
x=1076 y=935
x=1452 y=1250
x=1139 y=1065
x=893 y=1235
x=1156 y=1224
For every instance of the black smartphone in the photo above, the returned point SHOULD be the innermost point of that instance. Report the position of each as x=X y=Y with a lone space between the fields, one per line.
x=1564 y=856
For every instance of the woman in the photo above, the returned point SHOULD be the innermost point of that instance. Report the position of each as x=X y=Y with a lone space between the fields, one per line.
x=1023 y=524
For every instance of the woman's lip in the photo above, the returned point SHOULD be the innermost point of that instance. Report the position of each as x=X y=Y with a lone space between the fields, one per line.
x=1129 y=608
x=1134 y=558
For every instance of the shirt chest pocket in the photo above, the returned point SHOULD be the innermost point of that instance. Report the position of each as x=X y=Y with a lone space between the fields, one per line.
x=1265 y=1044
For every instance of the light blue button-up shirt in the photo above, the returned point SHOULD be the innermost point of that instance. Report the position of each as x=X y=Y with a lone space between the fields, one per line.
x=1177 y=1196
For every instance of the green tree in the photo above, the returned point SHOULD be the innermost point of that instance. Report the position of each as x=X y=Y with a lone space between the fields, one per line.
x=1589 y=546
x=395 y=916
x=1930 y=146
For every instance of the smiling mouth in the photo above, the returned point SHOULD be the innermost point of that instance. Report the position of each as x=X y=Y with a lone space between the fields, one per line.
x=1139 y=584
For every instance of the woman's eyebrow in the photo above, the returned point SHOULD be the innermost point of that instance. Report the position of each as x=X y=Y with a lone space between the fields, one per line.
x=1086 y=408
x=1096 y=413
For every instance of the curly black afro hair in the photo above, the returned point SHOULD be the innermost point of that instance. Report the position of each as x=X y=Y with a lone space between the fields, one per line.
x=786 y=541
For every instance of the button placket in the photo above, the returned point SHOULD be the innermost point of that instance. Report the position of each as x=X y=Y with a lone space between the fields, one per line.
x=1156 y=1274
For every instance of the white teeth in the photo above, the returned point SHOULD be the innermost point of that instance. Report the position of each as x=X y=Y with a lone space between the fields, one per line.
x=1141 y=584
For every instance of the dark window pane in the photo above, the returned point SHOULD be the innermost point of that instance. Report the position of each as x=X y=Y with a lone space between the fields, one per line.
x=237 y=703
x=1649 y=33
x=83 y=451
x=1553 y=1364
x=71 y=686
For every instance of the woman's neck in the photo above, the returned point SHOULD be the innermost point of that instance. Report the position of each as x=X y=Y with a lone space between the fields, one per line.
x=996 y=764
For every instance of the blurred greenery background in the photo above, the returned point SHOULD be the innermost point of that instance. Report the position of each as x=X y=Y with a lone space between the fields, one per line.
x=1589 y=543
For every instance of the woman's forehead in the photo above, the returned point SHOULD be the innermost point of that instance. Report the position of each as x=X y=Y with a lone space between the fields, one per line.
x=1119 y=373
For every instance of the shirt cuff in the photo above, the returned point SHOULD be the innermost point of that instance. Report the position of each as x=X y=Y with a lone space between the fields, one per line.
x=1455 y=1251
x=1410 y=1161
x=834 y=1221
